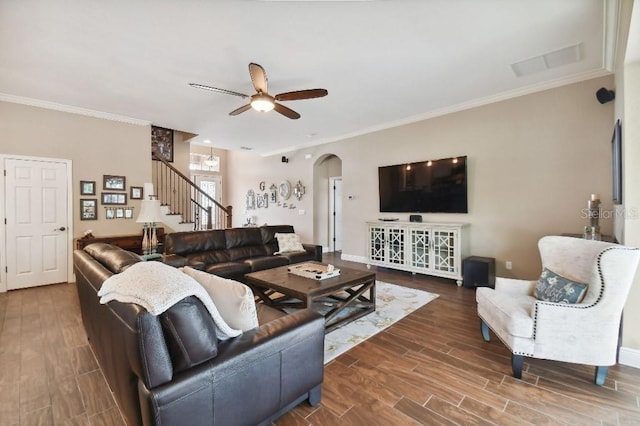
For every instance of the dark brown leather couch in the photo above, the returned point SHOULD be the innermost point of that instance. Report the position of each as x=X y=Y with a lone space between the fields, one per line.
x=233 y=252
x=171 y=369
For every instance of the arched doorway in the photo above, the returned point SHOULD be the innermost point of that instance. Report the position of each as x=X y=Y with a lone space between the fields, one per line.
x=327 y=176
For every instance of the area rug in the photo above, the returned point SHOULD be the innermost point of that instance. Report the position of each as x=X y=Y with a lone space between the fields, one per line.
x=393 y=302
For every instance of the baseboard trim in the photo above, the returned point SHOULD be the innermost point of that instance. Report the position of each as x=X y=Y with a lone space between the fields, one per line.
x=630 y=357
x=353 y=258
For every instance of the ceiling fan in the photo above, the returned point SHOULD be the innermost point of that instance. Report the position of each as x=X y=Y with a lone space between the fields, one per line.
x=262 y=101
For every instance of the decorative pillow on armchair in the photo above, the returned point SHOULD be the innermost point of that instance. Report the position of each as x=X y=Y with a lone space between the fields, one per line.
x=555 y=288
x=234 y=300
x=288 y=243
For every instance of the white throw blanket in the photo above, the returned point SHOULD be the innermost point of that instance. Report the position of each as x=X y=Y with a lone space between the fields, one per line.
x=156 y=287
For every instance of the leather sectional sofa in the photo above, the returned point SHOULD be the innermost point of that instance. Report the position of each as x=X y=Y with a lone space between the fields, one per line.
x=231 y=253
x=171 y=369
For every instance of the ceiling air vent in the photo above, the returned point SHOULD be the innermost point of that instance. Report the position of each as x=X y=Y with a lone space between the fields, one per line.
x=557 y=58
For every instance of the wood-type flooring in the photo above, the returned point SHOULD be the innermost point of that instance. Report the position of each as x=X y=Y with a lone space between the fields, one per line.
x=430 y=368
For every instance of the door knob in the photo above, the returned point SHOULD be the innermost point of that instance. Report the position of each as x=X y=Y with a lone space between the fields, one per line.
x=62 y=228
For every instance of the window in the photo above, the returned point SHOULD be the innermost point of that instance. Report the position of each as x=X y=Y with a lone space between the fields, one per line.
x=201 y=162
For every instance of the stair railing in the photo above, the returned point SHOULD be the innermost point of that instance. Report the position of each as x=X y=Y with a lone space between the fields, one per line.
x=185 y=198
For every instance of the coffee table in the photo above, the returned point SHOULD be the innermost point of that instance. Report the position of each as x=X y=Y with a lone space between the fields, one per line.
x=340 y=299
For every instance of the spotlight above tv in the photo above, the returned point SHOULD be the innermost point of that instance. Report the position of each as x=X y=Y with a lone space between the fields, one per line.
x=430 y=186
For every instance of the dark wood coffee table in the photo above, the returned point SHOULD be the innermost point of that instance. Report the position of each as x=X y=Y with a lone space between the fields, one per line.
x=340 y=299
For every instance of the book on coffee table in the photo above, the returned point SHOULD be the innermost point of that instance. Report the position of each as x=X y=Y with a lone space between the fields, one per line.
x=316 y=271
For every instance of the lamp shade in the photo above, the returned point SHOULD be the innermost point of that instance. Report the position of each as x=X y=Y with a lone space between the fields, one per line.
x=148 y=190
x=149 y=212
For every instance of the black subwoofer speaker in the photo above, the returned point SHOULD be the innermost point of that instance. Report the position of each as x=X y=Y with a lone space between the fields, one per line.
x=479 y=272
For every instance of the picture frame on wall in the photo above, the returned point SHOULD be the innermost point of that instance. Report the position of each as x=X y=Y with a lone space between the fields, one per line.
x=114 y=183
x=162 y=143
x=88 y=209
x=87 y=187
x=110 y=213
x=114 y=198
x=120 y=213
x=262 y=200
x=128 y=213
x=136 y=192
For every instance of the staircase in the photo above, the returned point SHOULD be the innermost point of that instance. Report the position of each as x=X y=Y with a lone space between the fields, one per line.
x=185 y=206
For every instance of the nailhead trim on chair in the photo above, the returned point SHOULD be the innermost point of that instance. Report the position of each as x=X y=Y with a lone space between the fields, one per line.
x=535 y=314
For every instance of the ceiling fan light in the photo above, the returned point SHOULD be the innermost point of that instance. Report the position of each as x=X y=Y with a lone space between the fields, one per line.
x=262 y=103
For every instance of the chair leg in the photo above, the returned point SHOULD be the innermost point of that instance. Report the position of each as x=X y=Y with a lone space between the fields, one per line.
x=315 y=395
x=485 y=331
x=601 y=375
x=516 y=365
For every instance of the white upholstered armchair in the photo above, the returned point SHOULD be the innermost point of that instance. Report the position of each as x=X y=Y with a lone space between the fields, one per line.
x=585 y=332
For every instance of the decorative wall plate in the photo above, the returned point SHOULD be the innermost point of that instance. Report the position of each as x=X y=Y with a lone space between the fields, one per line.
x=298 y=190
x=251 y=200
x=285 y=190
x=262 y=200
x=273 y=193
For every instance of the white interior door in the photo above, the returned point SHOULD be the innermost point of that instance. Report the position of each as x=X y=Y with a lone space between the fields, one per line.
x=335 y=213
x=212 y=186
x=36 y=206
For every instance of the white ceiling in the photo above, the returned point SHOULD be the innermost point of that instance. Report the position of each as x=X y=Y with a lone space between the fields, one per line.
x=384 y=63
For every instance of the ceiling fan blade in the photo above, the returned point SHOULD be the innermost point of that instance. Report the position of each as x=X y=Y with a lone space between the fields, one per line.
x=301 y=94
x=287 y=112
x=240 y=110
x=258 y=77
x=215 y=89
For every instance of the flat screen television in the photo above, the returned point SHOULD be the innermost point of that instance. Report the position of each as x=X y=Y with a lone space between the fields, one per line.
x=434 y=186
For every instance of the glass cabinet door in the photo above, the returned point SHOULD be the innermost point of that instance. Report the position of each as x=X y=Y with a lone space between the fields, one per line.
x=377 y=243
x=420 y=240
x=396 y=247
x=444 y=244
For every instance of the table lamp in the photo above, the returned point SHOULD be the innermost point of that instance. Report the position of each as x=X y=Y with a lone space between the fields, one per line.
x=149 y=216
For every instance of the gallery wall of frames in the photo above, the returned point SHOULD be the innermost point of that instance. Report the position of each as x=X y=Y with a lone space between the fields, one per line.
x=114 y=198
x=272 y=196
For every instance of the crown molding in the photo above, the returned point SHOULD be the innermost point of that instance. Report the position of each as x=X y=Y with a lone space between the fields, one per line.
x=611 y=23
x=71 y=109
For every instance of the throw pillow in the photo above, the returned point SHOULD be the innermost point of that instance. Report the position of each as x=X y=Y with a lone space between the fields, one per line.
x=555 y=288
x=288 y=243
x=234 y=300
x=190 y=334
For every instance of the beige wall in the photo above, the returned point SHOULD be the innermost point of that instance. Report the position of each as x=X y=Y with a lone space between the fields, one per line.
x=247 y=170
x=631 y=194
x=533 y=162
x=628 y=110
x=96 y=147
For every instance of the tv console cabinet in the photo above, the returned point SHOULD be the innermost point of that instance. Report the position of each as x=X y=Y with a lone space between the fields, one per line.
x=430 y=248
